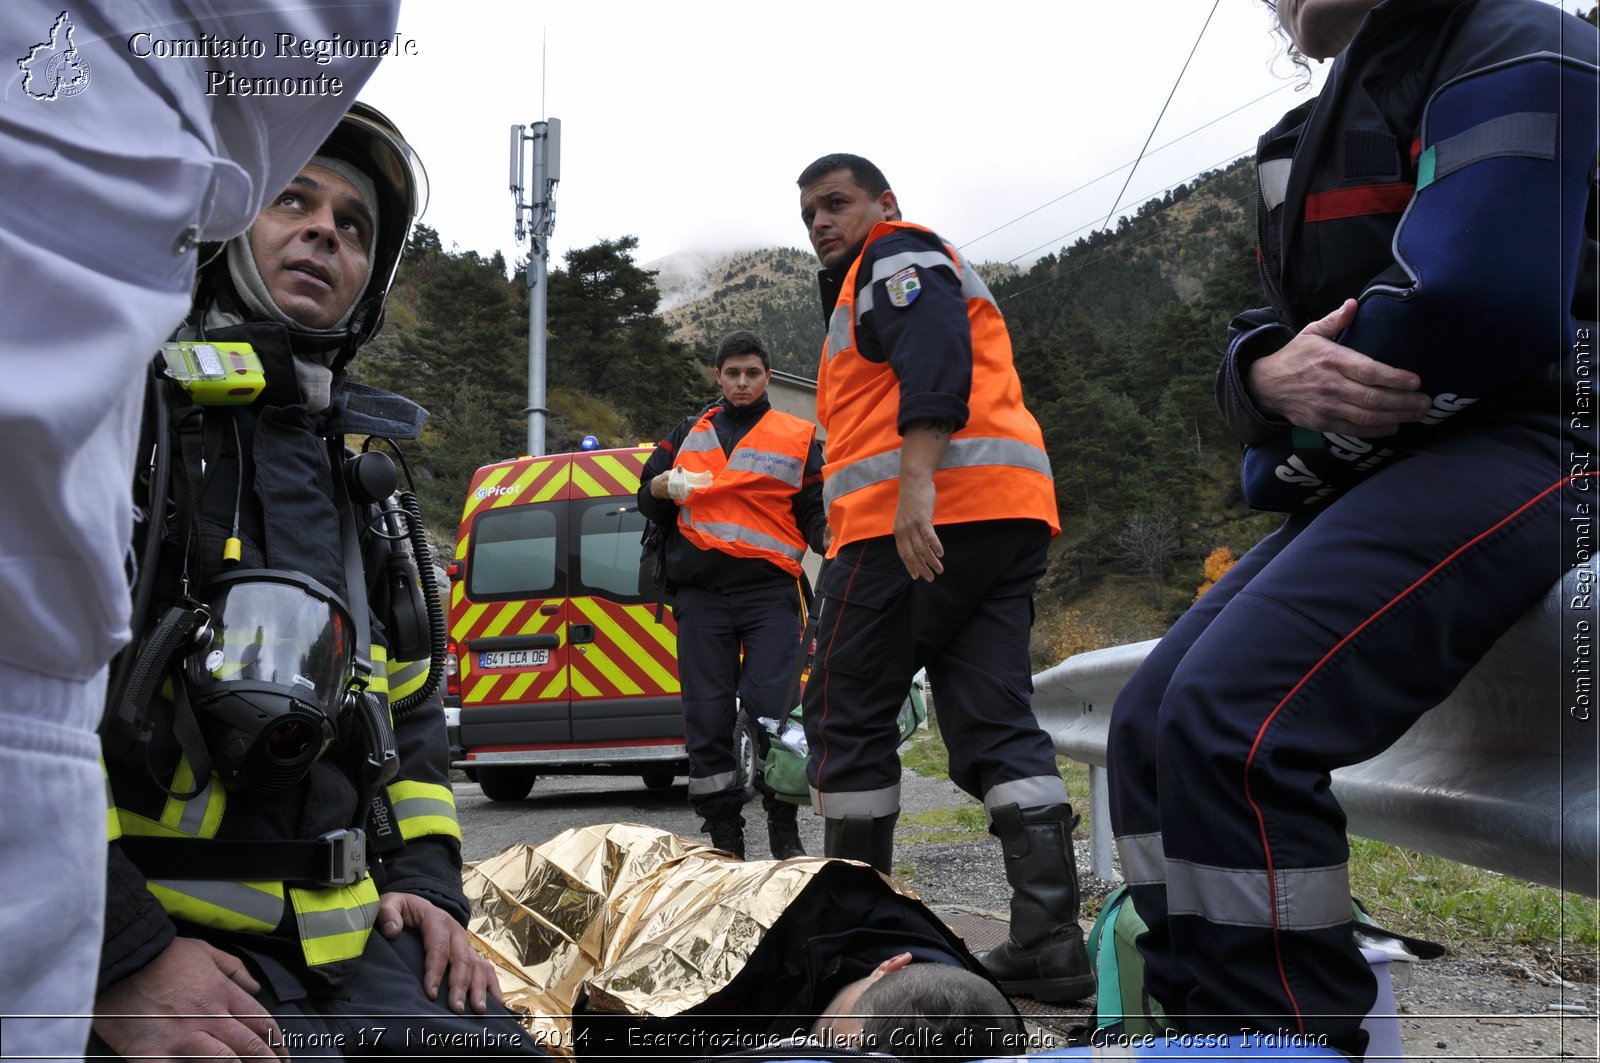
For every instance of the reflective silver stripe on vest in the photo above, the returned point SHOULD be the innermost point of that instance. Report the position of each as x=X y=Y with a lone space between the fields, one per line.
x=194 y=810
x=700 y=439
x=418 y=807
x=838 y=330
x=1144 y=860
x=780 y=467
x=1310 y=898
x=972 y=285
x=874 y=803
x=336 y=921
x=1025 y=794
x=236 y=897
x=887 y=267
x=963 y=453
x=1273 y=178
x=713 y=784
x=733 y=533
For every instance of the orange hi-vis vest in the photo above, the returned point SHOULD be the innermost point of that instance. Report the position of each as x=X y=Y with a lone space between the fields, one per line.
x=747 y=511
x=995 y=468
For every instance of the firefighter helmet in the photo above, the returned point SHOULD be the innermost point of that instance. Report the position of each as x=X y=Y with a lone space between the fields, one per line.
x=367 y=140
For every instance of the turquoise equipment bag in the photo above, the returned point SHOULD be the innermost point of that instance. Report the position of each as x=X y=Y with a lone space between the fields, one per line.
x=785 y=767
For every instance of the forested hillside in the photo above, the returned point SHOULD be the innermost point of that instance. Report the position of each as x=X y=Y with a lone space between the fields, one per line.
x=1117 y=338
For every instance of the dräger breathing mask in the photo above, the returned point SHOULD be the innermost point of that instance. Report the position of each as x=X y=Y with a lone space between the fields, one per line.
x=272 y=682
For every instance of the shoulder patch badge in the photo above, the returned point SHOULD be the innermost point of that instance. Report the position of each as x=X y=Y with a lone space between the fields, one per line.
x=904 y=287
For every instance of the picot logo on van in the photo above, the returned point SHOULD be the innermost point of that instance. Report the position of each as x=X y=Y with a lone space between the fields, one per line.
x=491 y=492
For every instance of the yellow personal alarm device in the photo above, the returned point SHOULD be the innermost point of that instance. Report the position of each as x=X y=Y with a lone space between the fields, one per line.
x=215 y=374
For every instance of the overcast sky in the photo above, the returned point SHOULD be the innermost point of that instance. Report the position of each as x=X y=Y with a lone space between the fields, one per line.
x=685 y=123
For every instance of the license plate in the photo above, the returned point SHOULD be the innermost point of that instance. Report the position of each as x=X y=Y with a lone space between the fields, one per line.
x=513 y=659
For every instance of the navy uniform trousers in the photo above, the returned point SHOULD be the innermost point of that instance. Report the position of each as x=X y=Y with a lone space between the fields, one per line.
x=381 y=1010
x=969 y=628
x=713 y=628
x=1317 y=650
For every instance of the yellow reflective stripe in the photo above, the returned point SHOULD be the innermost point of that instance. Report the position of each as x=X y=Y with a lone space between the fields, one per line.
x=587 y=485
x=501 y=620
x=581 y=683
x=480 y=690
x=253 y=907
x=406 y=678
x=379 y=683
x=468 y=621
x=201 y=815
x=519 y=686
x=660 y=632
x=113 y=820
x=137 y=826
x=334 y=922
x=627 y=474
x=552 y=487
x=558 y=684
x=424 y=808
x=612 y=671
x=626 y=641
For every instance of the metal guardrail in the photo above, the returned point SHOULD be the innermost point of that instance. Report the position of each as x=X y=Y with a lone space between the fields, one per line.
x=1503 y=774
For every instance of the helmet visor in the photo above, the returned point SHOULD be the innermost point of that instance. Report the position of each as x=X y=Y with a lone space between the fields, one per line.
x=283 y=630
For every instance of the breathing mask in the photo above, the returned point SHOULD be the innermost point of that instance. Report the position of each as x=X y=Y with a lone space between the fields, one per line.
x=271 y=684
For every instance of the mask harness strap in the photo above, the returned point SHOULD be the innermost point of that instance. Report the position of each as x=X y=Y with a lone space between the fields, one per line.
x=369 y=735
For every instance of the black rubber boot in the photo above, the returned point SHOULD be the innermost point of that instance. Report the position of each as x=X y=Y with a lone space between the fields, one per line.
x=783 y=828
x=727 y=833
x=866 y=838
x=1045 y=957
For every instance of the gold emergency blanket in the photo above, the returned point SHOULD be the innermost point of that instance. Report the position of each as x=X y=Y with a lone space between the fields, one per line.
x=644 y=921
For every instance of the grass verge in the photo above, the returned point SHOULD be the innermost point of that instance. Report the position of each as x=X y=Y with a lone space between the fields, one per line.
x=1474 y=912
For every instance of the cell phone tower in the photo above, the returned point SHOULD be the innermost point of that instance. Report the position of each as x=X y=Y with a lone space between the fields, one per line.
x=533 y=191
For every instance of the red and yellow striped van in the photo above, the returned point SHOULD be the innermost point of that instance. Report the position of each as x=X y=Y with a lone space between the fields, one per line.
x=564 y=666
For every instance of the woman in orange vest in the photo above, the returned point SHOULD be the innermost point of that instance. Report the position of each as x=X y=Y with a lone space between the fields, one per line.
x=742 y=484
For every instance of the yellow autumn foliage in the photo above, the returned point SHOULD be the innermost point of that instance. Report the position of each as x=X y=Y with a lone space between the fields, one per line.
x=1218 y=562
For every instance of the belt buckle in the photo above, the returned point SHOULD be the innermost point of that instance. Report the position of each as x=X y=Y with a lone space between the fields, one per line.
x=342 y=857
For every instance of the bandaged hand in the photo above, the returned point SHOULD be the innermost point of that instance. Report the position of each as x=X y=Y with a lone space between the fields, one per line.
x=681 y=483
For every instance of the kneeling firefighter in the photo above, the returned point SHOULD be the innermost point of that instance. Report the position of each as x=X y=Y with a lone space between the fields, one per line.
x=274 y=743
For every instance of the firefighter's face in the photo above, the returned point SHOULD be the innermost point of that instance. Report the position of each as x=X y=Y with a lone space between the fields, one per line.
x=743 y=379
x=1321 y=28
x=311 y=246
x=838 y=214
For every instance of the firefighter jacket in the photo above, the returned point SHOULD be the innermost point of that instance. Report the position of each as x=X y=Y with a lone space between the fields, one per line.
x=1443 y=178
x=268 y=466
x=914 y=334
x=751 y=526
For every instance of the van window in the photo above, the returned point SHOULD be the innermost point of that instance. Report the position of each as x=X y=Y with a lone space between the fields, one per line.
x=608 y=548
x=514 y=553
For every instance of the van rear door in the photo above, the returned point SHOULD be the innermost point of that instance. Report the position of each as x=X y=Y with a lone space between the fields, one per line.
x=509 y=613
x=623 y=667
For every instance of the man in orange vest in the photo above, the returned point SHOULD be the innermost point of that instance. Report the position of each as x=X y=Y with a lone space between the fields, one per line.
x=941 y=506
x=742 y=485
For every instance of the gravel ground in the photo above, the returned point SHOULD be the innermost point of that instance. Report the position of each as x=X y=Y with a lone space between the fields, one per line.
x=1458 y=1008
x=1455 y=1008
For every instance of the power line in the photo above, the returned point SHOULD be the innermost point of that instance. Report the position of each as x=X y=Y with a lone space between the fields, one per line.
x=1108 y=173
x=1149 y=195
x=1163 y=114
x=1178 y=81
x=1119 y=250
